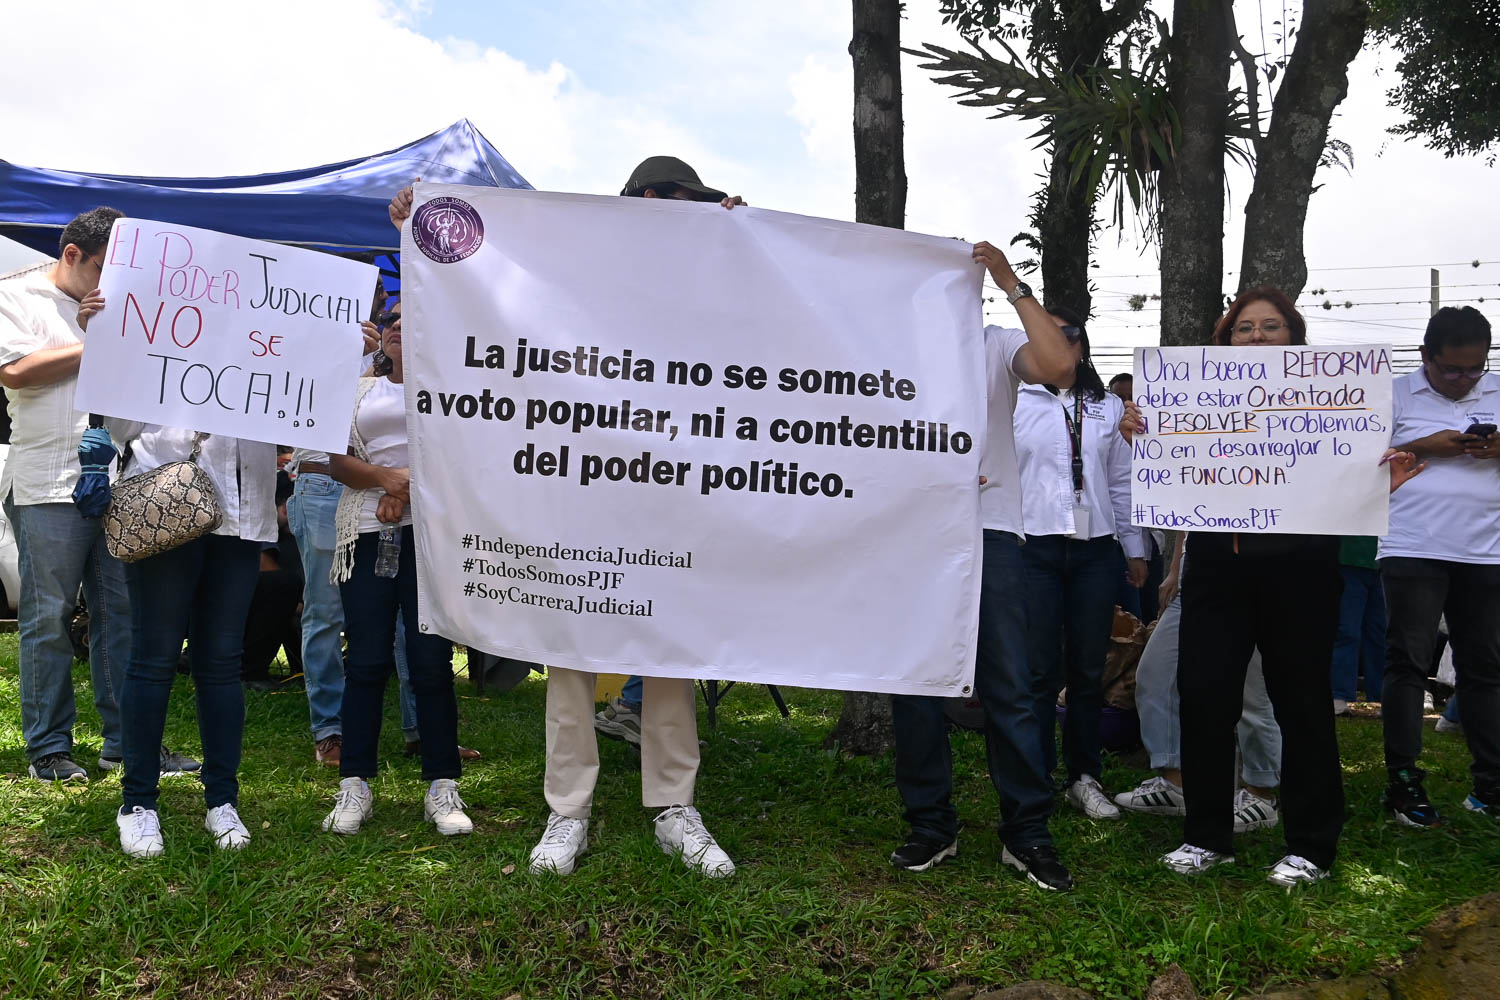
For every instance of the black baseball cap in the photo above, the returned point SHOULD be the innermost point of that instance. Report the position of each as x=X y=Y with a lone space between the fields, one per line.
x=665 y=171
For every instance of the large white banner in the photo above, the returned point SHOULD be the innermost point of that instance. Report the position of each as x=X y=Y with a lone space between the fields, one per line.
x=226 y=335
x=658 y=437
x=1263 y=439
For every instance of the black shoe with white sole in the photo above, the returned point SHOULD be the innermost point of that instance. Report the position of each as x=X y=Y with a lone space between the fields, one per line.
x=1407 y=800
x=1042 y=866
x=917 y=855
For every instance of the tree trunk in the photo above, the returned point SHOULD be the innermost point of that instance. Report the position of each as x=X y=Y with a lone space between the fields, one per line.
x=1192 y=185
x=864 y=726
x=1065 y=227
x=1316 y=80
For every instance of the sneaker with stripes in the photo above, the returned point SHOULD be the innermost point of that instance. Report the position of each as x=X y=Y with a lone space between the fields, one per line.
x=1157 y=796
x=1251 y=812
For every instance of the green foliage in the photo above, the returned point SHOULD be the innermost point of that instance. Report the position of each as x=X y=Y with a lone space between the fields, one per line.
x=814 y=911
x=1449 y=70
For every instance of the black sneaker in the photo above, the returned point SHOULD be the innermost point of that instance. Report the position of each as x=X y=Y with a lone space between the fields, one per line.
x=57 y=767
x=177 y=763
x=1407 y=800
x=919 y=855
x=1042 y=866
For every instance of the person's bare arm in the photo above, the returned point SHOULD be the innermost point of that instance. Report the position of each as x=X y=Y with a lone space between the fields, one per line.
x=51 y=364
x=1044 y=358
x=361 y=475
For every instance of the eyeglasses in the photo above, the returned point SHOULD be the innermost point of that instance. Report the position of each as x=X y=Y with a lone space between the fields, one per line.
x=1073 y=333
x=1455 y=373
x=1268 y=327
x=98 y=263
x=387 y=319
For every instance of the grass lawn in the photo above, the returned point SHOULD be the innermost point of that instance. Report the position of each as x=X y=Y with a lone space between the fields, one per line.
x=814 y=911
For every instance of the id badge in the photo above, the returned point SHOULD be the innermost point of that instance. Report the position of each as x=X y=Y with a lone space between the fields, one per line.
x=1081 y=524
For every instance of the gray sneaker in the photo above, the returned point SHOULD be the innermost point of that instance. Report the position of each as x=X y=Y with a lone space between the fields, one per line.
x=177 y=763
x=57 y=767
x=621 y=722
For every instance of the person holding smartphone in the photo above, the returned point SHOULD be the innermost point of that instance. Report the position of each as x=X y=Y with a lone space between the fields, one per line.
x=1443 y=555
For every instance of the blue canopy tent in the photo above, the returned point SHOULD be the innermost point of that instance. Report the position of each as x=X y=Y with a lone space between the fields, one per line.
x=339 y=206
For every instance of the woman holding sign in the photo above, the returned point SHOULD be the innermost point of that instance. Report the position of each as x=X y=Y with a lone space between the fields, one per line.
x=375 y=566
x=1075 y=476
x=1279 y=593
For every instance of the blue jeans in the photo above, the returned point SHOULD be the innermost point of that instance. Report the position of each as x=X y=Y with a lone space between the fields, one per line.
x=630 y=694
x=57 y=551
x=1361 y=638
x=1070 y=613
x=409 y=727
x=200 y=592
x=370 y=608
x=310 y=512
x=924 y=758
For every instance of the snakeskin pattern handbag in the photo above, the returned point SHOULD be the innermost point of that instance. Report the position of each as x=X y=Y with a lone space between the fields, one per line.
x=159 y=510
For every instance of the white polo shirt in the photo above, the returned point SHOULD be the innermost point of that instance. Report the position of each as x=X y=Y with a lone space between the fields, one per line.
x=1000 y=497
x=1044 y=448
x=36 y=315
x=1452 y=510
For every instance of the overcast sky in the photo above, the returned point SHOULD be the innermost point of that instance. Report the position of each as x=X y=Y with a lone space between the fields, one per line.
x=756 y=96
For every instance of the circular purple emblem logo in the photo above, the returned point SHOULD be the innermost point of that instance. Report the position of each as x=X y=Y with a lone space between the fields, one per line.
x=447 y=229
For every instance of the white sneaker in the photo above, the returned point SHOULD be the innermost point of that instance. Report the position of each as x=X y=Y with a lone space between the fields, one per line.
x=223 y=822
x=352 y=805
x=563 y=842
x=1292 y=871
x=1157 y=796
x=1089 y=797
x=1340 y=707
x=445 y=809
x=140 y=832
x=1251 y=812
x=680 y=830
x=1444 y=726
x=1190 y=860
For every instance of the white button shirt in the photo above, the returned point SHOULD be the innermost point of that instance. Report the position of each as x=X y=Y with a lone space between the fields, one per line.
x=1046 y=456
x=243 y=472
x=1452 y=510
x=36 y=315
x=1000 y=496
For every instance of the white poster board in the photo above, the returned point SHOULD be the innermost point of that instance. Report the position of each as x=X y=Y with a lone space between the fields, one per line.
x=663 y=438
x=226 y=335
x=1263 y=439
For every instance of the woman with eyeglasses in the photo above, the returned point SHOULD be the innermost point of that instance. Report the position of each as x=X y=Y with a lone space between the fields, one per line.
x=1278 y=593
x=375 y=566
x=1075 y=476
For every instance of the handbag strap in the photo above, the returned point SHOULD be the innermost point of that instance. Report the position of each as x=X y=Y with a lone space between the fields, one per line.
x=198 y=438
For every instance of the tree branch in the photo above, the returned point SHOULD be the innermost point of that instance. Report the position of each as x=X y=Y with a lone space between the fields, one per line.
x=1252 y=74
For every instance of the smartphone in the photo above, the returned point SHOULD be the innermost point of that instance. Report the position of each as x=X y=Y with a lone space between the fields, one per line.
x=1480 y=430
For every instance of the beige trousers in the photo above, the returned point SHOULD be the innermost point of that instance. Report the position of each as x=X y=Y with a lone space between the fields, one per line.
x=669 y=742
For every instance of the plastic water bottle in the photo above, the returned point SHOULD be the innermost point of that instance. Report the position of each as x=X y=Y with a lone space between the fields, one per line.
x=388 y=553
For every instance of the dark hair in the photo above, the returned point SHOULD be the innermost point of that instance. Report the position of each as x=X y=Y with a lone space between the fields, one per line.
x=665 y=189
x=1451 y=326
x=1122 y=377
x=1085 y=379
x=1278 y=300
x=89 y=232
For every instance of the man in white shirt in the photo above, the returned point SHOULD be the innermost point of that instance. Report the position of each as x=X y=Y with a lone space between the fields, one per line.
x=41 y=346
x=1443 y=555
x=1003 y=679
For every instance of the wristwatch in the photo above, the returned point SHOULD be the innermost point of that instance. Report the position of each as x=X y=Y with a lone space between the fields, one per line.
x=1021 y=291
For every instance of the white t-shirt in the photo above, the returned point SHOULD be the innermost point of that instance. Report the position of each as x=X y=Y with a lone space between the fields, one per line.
x=1045 y=450
x=1000 y=498
x=36 y=315
x=1452 y=510
x=381 y=423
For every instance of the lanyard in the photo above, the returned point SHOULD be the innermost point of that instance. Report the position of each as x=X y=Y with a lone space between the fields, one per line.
x=1075 y=439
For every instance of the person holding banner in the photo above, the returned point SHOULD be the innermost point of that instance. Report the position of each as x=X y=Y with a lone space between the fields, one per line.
x=1004 y=677
x=1075 y=500
x=1280 y=593
x=199 y=591
x=669 y=718
x=375 y=565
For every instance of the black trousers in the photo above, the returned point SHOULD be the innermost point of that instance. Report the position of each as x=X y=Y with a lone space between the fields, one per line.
x=1417 y=592
x=1287 y=605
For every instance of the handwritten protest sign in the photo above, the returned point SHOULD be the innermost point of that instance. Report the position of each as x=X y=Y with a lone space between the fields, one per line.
x=658 y=437
x=1263 y=439
x=226 y=335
